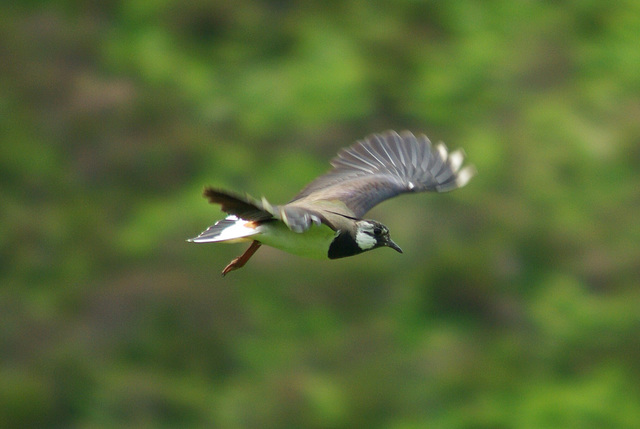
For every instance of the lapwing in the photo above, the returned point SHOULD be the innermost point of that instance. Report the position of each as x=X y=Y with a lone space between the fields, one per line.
x=325 y=219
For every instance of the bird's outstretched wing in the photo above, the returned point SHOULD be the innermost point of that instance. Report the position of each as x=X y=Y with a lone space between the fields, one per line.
x=251 y=209
x=385 y=165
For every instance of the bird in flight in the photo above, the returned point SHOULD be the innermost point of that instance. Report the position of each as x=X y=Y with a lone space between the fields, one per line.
x=325 y=219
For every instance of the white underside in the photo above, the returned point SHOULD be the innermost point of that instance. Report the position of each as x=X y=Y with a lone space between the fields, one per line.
x=313 y=243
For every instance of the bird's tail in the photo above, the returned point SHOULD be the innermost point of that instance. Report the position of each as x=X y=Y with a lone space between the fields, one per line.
x=231 y=229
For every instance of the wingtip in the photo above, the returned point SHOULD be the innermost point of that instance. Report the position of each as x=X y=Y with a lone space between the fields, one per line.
x=465 y=175
x=208 y=192
x=456 y=158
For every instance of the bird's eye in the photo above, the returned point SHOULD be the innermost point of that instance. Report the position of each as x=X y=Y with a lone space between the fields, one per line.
x=377 y=230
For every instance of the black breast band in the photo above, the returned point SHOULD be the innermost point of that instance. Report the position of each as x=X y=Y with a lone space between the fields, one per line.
x=343 y=245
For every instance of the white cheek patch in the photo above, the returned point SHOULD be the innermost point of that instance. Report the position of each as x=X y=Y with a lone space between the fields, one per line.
x=365 y=241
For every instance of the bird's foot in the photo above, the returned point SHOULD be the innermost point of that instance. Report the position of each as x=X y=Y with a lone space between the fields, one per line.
x=241 y=260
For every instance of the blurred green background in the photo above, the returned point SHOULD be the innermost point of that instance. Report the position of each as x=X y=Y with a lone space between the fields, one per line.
x=515 y=305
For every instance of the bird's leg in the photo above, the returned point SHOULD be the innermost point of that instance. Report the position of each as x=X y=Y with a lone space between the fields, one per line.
x=242 y=259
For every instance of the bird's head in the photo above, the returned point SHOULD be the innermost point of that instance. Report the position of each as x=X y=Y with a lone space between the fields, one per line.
x=371 y=234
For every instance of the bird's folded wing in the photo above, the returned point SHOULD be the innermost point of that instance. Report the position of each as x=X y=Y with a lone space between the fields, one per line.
x=383 y=166
x=248 y=208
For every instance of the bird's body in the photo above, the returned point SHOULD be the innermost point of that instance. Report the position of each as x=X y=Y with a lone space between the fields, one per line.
x=324 y=219
x=312 y=244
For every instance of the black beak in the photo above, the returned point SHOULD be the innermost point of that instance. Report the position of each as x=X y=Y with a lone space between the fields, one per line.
x=393 y=245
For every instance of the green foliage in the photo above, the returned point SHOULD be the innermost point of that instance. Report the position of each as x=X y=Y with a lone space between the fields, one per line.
x=515 y=304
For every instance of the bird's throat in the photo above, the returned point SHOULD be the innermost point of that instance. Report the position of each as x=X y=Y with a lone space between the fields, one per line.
x=344 y=245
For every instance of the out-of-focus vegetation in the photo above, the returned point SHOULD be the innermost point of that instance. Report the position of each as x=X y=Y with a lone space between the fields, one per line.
x=515 y=305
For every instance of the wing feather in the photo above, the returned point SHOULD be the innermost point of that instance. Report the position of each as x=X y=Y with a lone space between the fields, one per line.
x=385 y=165
x=251 y=209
